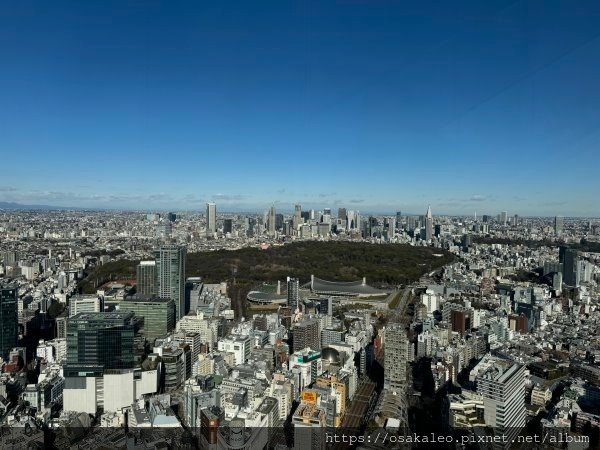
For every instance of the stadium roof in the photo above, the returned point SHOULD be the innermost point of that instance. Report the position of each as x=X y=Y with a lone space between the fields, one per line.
x=266 y=297
x=344 y=287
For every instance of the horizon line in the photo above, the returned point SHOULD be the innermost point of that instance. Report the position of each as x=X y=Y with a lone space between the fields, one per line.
x=56 y=208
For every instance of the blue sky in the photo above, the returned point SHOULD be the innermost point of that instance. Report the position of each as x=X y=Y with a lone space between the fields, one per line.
x=372 y=105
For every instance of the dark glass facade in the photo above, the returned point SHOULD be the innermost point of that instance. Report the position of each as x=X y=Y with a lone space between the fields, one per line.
x=158 y=314
x=9 y=331
x=99 y=341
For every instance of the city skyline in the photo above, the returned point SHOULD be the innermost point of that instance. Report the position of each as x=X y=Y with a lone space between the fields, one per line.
x=408 y=105
x=288 y=209
x=300 y=225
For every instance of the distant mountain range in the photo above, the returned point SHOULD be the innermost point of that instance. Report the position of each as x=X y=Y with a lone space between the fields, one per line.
x=19 y=206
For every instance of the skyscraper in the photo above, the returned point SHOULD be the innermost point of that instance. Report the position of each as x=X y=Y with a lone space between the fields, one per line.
x=297 y=220
x=503 y=217
x=351 y=220
x=250 y=226
x=398 y=219
x=569 y=257
x=170 y=275
x=395 y=350
x=211 y=219
x=146 y=278
x=227 y=226
x=99 y=341
x=278 y=221
x=428 y=224
x=389 y=225
x=8 y=319
x=558 y=225
x=271 y=221
x=342 y=215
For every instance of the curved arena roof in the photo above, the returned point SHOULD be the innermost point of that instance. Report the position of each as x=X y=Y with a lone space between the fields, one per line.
x=265 y=297
x=351 y=288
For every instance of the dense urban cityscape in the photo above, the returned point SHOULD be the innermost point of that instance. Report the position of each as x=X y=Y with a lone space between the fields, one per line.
x=499 y=339
x=283 y=224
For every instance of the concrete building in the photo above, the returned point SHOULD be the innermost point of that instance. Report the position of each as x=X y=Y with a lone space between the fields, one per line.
x=85 y=304
x=396 y=357
x=501 y=383
x=146 y=278
x=306 y=334
x=293 y=293
x=240 y=346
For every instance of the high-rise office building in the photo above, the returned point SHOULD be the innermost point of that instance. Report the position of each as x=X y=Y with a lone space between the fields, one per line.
x=428 y=224
x=297 y=220
x=158 y=314
x=99 y=341
x=342 y=214
x=250 y=226
x=502 y=385
x=170 y=276
x=351 y=218
x=211 y=219
x=146 y=278
x=278 y=221
x=391 y=226
x=293 y=295
x=396 y=348
x=271 y=228
x=227 y=226
x=503 y=217
x=569 y=258
x=398 y=219
x=558 y=225
x=9 y=332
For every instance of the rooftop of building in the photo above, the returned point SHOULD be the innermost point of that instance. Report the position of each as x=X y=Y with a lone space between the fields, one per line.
x=99 y=316
x=146 y=298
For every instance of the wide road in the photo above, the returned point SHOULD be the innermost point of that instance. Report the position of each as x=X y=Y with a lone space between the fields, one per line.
x=398 y=314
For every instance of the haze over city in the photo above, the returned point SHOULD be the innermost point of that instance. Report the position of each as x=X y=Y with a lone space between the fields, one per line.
x=376 y=106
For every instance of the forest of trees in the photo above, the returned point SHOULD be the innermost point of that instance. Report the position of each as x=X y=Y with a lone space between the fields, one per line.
x=382 y=265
